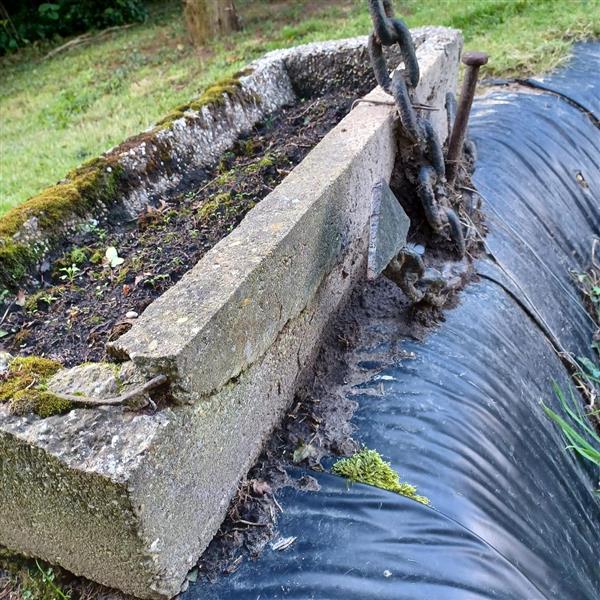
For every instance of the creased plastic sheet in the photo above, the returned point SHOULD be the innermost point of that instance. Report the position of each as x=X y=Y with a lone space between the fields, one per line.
x=579 y=82
x=514 y=516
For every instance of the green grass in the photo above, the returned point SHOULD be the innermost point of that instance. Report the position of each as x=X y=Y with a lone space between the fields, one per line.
x=575 y=425
x=57 y=113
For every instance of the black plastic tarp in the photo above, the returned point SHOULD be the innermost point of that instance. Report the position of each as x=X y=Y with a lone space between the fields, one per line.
x=513 y=514
x=579 y=82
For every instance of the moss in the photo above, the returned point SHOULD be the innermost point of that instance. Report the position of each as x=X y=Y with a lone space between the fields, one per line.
x=21 y=337
x=122 y=276
x=368 y=467
x=15 y=260
x=216 y=203
x=264 y=163
x=31 y=578
x=215 y=95
x=24 y=387
x=36 y=366
x=46 y=296
x=12 y=385
x=95 y=182
x=42 y=403
x=97 y=257
x=248 y=147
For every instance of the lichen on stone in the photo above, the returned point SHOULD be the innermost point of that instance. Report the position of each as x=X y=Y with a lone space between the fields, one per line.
x=367 y=466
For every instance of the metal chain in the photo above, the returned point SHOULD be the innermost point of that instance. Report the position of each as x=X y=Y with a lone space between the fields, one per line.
x=432 y=186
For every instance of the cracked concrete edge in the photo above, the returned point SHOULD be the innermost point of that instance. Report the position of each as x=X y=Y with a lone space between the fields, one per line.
x=269 y=267
x=131 y=500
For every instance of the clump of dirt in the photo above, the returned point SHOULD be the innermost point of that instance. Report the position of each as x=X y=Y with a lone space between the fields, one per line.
x=94 y=288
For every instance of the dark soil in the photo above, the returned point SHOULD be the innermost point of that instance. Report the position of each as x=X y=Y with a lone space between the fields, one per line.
x=78 y=309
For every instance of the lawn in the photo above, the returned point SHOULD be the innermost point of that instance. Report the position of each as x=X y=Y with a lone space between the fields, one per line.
x=58 y=112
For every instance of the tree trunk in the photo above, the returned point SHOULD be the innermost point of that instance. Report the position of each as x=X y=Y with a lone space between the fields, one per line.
x=207 y=19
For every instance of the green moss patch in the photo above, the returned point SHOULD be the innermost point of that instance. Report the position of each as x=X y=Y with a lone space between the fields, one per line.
x=31 y=579
x=24 y=387
x=215 y=95
x=34 y=366
x=368 y=467
x=84 y=189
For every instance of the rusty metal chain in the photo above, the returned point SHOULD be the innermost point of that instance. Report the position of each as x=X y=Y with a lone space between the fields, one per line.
x=432 y=186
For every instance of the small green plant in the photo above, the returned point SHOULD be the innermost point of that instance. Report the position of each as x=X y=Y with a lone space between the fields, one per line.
x=48 y=579
x=43 y=296
x=589 y=284
x=155 y=280
x=576 y=427
x=367 y=466
x=70 y=273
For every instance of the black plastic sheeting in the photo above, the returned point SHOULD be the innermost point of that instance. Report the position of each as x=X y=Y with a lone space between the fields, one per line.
x=514 y=516
x=580 y=81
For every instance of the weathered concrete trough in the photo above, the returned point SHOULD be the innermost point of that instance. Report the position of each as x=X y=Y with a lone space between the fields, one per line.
x=131 y=500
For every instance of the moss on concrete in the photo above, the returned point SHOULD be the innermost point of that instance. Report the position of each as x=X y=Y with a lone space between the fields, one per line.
x=24 y=388
x=35 y=366
x=95 y=182
x=368 y=467
x=43 y=404
x=215 y=95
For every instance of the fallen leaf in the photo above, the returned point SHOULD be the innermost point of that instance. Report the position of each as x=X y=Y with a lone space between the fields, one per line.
x=112 y=257
x=303 y=451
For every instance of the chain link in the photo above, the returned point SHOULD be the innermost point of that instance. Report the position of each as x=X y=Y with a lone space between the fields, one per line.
x=431 y=179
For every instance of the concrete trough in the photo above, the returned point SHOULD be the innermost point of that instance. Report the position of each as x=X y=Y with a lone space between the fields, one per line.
x=131 y=500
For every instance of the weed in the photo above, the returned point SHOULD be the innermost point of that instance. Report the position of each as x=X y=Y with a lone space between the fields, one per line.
x=46 y=297
x=589 y=283
x=367 y=466
x=576 y=427
x=154 y=281
x=70 y=273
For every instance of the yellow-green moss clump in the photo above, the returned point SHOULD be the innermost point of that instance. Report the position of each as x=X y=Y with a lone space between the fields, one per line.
x=368 y=467
x=215 y=95
x=84 y=188
x=24 y=387
x=219 y=202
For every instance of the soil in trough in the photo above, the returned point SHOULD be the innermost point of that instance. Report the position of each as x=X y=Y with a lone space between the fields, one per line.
x=84 y=302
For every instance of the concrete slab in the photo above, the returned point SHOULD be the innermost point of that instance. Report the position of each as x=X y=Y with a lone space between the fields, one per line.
x=388 y=228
